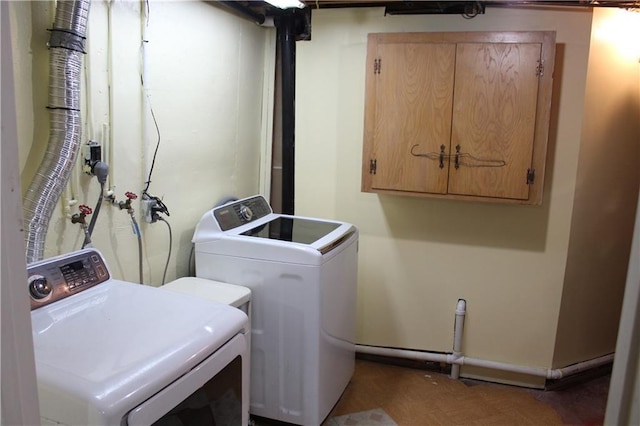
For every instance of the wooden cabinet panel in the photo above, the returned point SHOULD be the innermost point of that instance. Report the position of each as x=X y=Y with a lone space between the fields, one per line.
x=413 y=104
x=495 y=111
x=458 y=115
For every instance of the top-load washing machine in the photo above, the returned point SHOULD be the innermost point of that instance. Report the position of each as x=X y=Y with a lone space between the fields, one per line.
x=302 y=274
x=110 y=352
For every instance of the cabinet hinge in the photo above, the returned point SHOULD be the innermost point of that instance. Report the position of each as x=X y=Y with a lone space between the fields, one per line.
x=531 y=176
x=540 y=68
x=373 y=166
x=377 y=64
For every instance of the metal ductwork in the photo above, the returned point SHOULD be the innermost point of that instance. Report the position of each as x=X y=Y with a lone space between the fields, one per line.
x=66 y=45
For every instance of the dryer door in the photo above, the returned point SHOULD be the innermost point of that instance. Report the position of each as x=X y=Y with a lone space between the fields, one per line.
x=216 y=392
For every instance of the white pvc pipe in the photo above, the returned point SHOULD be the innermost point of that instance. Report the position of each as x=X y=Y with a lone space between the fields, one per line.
x=494 y=365
x=146 y=113
x=581 y=366
x=107 y=128
x=474 y=362
x=461 y=310
x=456 y=359
x=107 y=145
x=403 y=353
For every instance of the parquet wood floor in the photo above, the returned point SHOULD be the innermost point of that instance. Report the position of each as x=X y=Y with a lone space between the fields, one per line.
x=416 y=397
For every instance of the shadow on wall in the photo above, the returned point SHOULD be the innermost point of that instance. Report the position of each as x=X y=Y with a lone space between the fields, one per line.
x=467 y=223
x=477 y=223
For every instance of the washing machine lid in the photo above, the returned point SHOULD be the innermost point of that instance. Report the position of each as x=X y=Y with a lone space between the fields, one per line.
x=293 y=229
x=109 y=348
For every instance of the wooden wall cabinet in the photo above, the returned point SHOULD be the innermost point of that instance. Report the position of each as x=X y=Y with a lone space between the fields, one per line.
x=458 y=115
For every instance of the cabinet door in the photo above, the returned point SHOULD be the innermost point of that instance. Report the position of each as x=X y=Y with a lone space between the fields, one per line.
x=413 y=100
x=494 y=117
x=481 y=99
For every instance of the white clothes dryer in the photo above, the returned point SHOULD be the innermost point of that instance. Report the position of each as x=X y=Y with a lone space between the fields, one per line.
x=111 y=352
x=302 y=275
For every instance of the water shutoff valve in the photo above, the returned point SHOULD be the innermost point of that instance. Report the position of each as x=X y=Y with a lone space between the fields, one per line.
x=80 y=217
x=127 y=204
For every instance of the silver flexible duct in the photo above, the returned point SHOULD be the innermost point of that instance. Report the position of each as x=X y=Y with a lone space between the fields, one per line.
x=66 y=49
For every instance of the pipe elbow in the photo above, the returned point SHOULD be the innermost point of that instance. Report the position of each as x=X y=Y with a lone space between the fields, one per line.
x=555 y=374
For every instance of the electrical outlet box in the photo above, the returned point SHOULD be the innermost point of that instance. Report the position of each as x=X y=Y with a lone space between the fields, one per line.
x=146 y=209
x=92 y=154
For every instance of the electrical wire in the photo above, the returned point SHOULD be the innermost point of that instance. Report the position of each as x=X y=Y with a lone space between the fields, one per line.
x=153 y=115
x=164 y=275
x=145 y=192
x=159 y=207
x=155 y=153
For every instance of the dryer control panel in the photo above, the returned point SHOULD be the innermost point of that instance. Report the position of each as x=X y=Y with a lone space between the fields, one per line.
x=62 y=276
x=241 y=212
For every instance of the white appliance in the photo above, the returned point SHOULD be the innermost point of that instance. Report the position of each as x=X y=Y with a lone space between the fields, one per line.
x=229 y=294
x=110 y=352
x=302 y=275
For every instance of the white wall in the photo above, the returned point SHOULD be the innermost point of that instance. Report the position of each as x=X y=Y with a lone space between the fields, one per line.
x=419 y=256
x=203 y=70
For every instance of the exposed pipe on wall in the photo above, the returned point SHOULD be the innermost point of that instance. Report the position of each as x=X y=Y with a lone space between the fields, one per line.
x=456 y=359
x=285 y=25
x=66 y=45
x=461 y=311
x=101 y=170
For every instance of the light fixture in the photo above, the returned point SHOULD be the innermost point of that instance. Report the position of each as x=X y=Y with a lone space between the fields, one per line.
x=286 y=4
x=621 y=30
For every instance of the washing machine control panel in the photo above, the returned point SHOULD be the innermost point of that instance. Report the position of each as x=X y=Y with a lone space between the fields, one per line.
x=241 y=212
x=54 y=279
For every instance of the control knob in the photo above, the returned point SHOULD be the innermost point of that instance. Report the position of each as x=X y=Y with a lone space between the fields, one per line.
x=39 y=287
x=246 y=213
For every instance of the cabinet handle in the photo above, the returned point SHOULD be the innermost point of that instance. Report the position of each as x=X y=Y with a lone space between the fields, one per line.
x=441 y=156
x=468 y=160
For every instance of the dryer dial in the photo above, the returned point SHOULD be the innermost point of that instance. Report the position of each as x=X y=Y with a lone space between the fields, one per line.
x=246 y=213
x=39 y=287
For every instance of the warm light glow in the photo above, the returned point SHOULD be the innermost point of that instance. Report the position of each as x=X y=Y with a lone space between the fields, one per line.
x=622 y=31
x=286 y=4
